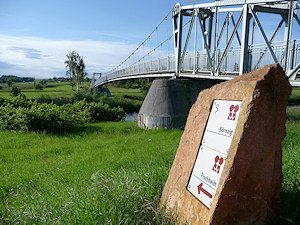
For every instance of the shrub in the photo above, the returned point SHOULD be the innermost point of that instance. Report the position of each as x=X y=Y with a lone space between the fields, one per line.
x=13 y=118
x=18 y=113
x=129 y=105
x=38 y=86
x=1 y=87
x=44 y=99
x=16 y=101
x=102 y=112
x=15 y=91
x=54 y=119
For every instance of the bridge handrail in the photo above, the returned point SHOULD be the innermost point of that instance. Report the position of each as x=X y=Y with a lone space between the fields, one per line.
x=259 y=57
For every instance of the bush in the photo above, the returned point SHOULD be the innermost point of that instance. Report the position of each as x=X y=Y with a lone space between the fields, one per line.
x=13 y=118
x=102 y=112
x=38 y=86
x=15 y=91
x=1 y=87
x=18 y=113
x=44 y=99
x=129 y=105
x=16 y=101
x=54 y=119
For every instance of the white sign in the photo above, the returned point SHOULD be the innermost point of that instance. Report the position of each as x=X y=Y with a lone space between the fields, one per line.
x=213 y=150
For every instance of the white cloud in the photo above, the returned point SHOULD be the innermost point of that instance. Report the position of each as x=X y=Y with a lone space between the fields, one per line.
x=41 y=57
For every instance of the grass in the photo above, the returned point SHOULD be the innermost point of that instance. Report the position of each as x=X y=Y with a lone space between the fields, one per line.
x=102 y=175
x=295 y=96
x=52 y=89
x=290 y=196
x=63 y=90
x=120 y=92
x=111 y=173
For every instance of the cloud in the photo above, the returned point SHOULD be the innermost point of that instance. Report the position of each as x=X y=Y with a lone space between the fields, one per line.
x=41 y=57
x=4 y=65
x=28 y=52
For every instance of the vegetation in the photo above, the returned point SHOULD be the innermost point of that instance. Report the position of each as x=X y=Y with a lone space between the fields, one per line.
x=103 y=175
x=142 y=84
x=5 y=78
x=61 y=93
x=53 y=89
x=20 y=114
x=295 y=96
x=76 y=68
x=15 y=91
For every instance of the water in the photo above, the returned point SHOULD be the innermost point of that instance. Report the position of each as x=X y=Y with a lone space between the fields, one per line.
x=131 y=116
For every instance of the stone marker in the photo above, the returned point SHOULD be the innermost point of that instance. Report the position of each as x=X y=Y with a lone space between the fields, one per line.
x=228 y=167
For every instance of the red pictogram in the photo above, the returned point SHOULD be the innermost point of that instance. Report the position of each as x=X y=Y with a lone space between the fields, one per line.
x=218 y=162
x=200 y=188
x=232 y=112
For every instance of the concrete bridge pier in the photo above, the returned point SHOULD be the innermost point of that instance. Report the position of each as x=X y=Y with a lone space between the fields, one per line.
x=103 y=90
x=168 y=102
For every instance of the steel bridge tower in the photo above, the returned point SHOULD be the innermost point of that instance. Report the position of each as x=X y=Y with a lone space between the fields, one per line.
x=242 y=16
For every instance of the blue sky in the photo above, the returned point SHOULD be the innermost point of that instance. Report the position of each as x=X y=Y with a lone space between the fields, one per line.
x=36 y=35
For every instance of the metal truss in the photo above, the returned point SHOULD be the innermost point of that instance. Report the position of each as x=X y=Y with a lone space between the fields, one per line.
x=241 y=17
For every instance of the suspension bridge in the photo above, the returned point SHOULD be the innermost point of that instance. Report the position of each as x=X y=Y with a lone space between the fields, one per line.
x=218 y=40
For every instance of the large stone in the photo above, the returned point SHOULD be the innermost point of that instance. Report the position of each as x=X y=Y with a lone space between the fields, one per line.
x=248 y=191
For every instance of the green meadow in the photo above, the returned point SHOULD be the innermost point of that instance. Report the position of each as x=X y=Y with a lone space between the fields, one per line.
x=108 y=173
x=62 y=90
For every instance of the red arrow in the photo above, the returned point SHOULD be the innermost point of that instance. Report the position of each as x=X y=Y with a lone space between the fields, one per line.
x=200 y=188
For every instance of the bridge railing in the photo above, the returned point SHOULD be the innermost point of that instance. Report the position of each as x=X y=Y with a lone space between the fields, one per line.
x=157 y=66
x=259 y=56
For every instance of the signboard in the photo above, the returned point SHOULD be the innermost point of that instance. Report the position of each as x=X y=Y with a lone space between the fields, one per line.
x=213 y=150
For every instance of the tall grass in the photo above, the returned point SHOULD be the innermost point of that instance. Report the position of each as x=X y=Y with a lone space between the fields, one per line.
x=112 y=173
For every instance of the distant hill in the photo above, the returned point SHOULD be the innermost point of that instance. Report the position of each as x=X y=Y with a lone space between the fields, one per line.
x=4 y=78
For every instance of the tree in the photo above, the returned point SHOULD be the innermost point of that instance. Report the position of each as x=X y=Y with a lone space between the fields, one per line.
x=15 y=91
x=38 y=85
x=76 y=68
x=9 y=82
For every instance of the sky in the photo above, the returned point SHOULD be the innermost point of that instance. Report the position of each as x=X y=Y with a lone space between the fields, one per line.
x=37 y=35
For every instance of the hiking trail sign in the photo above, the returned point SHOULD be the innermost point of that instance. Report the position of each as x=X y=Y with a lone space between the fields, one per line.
x=213 y=150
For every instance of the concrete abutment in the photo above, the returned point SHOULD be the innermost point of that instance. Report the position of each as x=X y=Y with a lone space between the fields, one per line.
x=168 y=102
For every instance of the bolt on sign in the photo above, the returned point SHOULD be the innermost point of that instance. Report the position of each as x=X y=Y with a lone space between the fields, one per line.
x=213 y=150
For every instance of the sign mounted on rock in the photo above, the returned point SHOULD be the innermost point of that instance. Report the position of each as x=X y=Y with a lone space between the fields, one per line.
x=228 y=166
x=213 y=150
